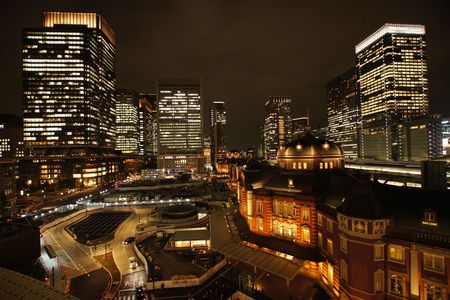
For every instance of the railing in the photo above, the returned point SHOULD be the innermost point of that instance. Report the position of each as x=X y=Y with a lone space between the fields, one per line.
x=141 y=257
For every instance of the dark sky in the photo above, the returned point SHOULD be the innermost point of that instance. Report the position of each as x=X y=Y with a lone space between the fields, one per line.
x=244 y=50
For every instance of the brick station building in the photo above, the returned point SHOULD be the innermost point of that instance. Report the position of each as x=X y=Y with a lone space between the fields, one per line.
x=375 y=241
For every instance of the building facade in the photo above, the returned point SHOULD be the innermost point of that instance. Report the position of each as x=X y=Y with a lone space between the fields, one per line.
x=400 y=243
x=69 y=82
x=69 y=98
x=343 y=112
x=180 y=125
x=147 y=125
x=218 y=133
x=445 y=126
x=393 y=86
x=127 y=121
x=277 y=125
x=300 y=126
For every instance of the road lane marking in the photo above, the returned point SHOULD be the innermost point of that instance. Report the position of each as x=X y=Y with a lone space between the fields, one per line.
x=59 y=245
x=63 y=255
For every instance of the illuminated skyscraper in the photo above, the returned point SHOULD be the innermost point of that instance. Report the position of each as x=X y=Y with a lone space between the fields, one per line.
x=300 y=126
x=180 y=125
x=147 y=125
x=69 y=82
x=393 y=86
x=277 y=125
x=343 y=111
x=10 y=135
x=127 y=121
x=69 y=102
x=218 y=131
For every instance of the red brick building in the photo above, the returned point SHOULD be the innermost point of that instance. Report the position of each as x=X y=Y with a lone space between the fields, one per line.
x=376 y=241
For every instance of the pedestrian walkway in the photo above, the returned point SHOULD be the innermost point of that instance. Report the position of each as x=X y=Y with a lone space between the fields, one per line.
x=225 y=239
x=56 y=275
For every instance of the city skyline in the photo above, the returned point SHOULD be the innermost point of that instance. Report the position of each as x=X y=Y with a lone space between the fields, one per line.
x=244 y=81
x=142 y=167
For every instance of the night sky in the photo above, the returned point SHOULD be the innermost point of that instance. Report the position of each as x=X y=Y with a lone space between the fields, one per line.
x=244 y=50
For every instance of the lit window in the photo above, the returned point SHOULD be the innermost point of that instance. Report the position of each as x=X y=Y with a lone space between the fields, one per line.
x=330 y=247
x=396 y=253
x=290 y=182
x=331 y=165
x=379 y=281
x=259 y=207
x=429 y=217
x=343 y=244
x=329 y=225
x=326 y=165
x=294 y=165
x=259 y=224
x=305 y=214
x=320 y=240
x=321 y=165
x=344 y=270
x=433 y=263
x=434 y=292
x=306 y=234
x=378 y=252
x=305 y=165
x=396 y=285
x=319 y=219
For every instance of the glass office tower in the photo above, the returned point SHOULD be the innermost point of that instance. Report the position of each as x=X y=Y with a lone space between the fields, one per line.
x=180 y=125
x=69 y=82
x=127 y=121
x=218 y=131
x=343 y=112
x=393 y=86
x=69 y=102
x=277 y=125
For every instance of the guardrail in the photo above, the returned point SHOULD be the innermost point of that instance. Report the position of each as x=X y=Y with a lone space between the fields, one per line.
x=141 y=257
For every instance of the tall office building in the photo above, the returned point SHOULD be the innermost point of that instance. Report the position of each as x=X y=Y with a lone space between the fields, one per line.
x=277 y=125
x=127 y=121
x=10 y=135
x=300 y=126
x=69 y=82
x=343 y=112
x=445 y=126
x=180 y=125
x=69 y=96
x=393 y=86
x=218 y=132
x=10 y=139
x=147 y=125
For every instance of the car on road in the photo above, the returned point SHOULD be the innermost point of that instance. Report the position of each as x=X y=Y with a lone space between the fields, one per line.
x=133 y=262
x=129 y=240
x=140 y=293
